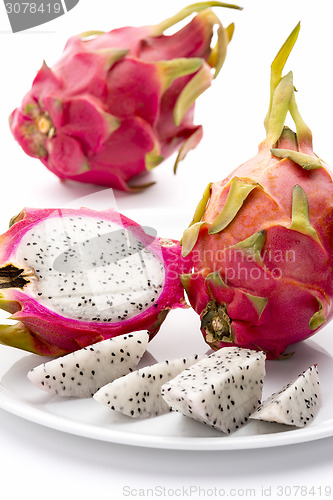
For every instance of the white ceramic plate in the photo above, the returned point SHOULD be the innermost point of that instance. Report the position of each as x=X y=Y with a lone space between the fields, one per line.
x=179 y=336
x=86 y=417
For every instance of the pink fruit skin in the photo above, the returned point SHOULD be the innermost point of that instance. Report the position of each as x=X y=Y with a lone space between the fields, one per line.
x=45 y=332
x=105 y=112
x=276 y=290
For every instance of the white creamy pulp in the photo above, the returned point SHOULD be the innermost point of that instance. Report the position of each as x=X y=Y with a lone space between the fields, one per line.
x=90 y=269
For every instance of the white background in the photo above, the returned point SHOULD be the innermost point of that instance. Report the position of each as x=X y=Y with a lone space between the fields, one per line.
x=37 y=462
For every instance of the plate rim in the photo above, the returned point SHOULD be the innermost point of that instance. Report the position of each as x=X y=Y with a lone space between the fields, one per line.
x=14 y=405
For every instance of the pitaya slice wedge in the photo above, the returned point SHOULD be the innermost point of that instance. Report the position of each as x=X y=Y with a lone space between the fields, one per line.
x=117 y=104
x=138 y=394
x=73 y=277
x=296 y=404
x=81 y=373
x=221 y=390
x=262 y=239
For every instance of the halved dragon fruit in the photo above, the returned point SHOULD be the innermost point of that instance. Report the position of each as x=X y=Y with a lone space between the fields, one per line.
x=117 y=104
x=261 y=240
x=73 y=277
x=81 y=373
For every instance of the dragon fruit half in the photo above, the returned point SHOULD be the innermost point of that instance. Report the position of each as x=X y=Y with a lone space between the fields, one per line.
x=261 y=240
x=73 y=277
x=117 y=104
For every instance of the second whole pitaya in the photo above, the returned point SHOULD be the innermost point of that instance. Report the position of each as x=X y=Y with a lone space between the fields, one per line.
x=117 y=104
x=73 y=277
x=261 y=240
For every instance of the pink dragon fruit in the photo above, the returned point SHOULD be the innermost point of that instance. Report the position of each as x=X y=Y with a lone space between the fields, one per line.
x=261 y=240
x=117 y=104
x=73 y=277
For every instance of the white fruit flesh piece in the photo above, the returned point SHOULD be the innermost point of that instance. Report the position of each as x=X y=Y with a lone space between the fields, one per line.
x=221 y=390
x=138 y=394
x=296 y=404
x=83 y=372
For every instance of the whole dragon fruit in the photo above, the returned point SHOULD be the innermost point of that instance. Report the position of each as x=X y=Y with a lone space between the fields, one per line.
x=117 y=104
x=261 y=240
x=73 y=277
